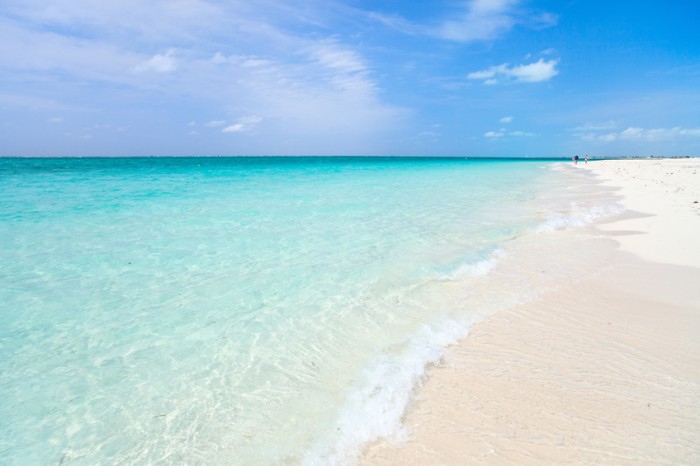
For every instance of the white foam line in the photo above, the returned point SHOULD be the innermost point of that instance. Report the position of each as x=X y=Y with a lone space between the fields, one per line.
x=577 y=216
x=478 y=268
x=374 y=409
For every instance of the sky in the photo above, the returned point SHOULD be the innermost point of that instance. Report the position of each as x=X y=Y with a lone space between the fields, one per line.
x=537 y=78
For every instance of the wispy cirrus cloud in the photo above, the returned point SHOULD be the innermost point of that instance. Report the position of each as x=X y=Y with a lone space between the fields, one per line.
x=225 y=57
x=538 y=71
x=471 y=21
x=155 y=22
x=481 y=20
x=343 y=68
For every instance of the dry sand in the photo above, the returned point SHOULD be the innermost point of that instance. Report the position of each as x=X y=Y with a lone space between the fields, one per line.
x=601 y=370
x=667 y=193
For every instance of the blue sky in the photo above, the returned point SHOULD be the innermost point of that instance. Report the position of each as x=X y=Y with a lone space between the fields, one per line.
x=349 y=77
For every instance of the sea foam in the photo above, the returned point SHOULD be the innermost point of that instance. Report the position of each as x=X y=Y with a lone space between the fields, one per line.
x=374 y=407
x=577 y=215
x=475 y=268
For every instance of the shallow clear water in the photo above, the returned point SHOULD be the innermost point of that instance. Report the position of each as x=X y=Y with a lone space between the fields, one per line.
x=235 y=310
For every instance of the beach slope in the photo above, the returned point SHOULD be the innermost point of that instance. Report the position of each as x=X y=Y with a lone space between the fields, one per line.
x=604 y=369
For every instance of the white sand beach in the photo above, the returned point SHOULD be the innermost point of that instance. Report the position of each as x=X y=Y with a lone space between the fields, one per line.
x=601 y=369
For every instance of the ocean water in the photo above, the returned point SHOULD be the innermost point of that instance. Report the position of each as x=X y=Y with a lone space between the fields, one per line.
x=243 y=310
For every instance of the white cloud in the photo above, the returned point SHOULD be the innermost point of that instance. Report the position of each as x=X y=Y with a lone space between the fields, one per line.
x=251 y=62
x=239 y=60
x=344 y=69
x=33 y=50
x=150 y=22
x=670 y=133
x=545 y=20
x=596 y=126
x=634 y=133
x=535 y=72
x=531 y=73
x=473 y=20
x=502 y=133
x=506 y=119
x=272 y=59
x=489 y=73
x=482 y=20
x=234 y=128
x=521 y=133
x=243 y=124
x=218 y=58
x=215 y=123
x=56 y=120
x=332 y=56
x=160 y=63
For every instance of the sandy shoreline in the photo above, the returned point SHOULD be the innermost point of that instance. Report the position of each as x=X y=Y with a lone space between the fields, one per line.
x=604 y=369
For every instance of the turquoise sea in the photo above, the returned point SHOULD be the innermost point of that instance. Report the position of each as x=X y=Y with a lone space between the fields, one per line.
x=242 y=310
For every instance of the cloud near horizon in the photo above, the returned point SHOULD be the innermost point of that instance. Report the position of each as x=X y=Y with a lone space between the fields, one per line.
x=633 y=133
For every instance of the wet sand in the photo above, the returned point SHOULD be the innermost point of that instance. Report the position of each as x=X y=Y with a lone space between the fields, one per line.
x=603 y=369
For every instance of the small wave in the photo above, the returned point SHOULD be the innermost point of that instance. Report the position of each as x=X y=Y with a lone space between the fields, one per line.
x=477 y=268
x=374 y=409
x=577 y=216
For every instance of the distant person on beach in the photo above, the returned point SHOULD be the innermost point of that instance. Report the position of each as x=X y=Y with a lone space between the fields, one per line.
x=575 y=159
x=585 y=159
